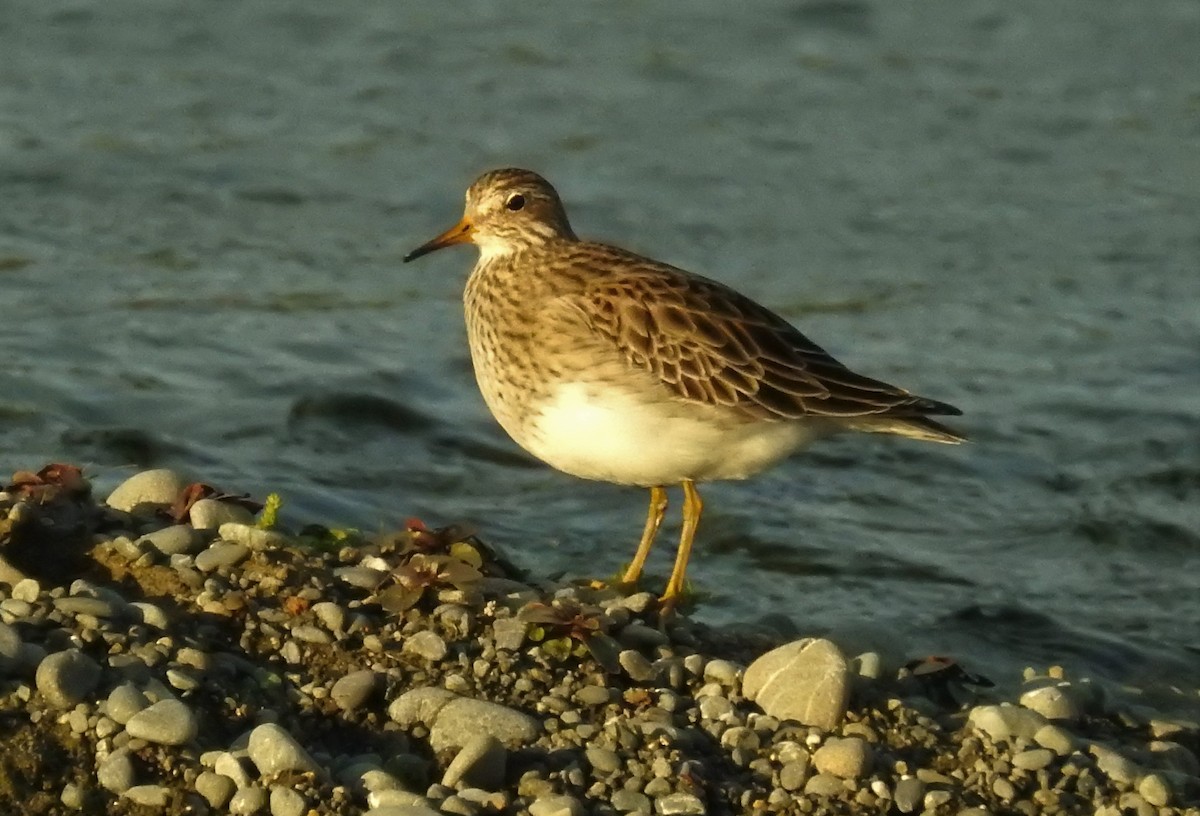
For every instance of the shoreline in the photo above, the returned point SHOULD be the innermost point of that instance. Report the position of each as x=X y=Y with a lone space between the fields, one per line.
x=163 y=652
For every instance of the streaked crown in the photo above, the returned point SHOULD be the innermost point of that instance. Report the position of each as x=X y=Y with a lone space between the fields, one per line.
x=510 y=209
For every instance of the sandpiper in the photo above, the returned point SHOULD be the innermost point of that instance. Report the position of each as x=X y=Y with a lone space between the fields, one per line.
x=612 y=366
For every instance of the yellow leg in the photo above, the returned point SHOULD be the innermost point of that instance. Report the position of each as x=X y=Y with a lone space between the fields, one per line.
x=692 y=508
x=658 y=507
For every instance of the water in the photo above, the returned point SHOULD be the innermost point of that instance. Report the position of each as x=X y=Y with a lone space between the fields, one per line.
x=204 y=208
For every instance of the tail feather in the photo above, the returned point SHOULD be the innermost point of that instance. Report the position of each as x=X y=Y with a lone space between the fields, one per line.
x=914 y=427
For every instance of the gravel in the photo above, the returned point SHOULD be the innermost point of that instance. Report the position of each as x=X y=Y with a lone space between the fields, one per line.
x=244 y=670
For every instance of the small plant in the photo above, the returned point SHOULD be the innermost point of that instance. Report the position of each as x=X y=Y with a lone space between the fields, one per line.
x=407 y=584
x=270 y=512
x=568 y=628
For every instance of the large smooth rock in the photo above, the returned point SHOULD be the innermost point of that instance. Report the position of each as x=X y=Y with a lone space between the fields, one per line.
x=1005 y=722
x=150 y=487
x=807 y=681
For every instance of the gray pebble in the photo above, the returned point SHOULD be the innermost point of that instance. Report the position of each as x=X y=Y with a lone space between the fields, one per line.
x=77 y=605
x=628 y=801
x=509 y=633
x=848 y=758
x=10 y=649
x=151 y=614
x=463 y=717
x=252 y=537
x=715 y=708
x=793 y=775
x=642 y=637
x=215 y=788
x=291 y=653
x=148 y=795
x=557 y=805
x=1004 y=722
x=1113 y=764
x=307 y=633
x=221 y=554
x=124 y=701
x=635 y=664
x=1004 y=790
x=722 y=671
x=72 y=796
x=824 y=785
x=1056 y=738
x=1053 y=703
x=273 y=750
x=603 y=760
x=1034 y=759
x=593 y=696
x=247 y=801
x=154 y=487
x=115 y=772
x=331 y=616
x=65 y=678
x=26 y=590
x=210 y=514
x=287 y=802
x=352 y=690
x=231 y=766
x=909 y=794
x=1155 y=789
x=178 y=539
x=806 y=680
x=167 y=722
x=480 y=763
x=428 y=645
x=934 y=799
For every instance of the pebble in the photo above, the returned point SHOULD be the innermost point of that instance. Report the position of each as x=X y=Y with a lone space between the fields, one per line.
x=252 y=537
x=231 y=766
x=167 y=722
x=807 y=681
x=10 y=649
x=76 y=605
x=603 y=760
x=215 y=788
x=1155 y=789
x=148 y=795
x=721 y=671
x=793 y=775
x=428 y=645
x=1114 y=764
x=273 y=750
x=221 y=554
x=630 y=801
x=178 y=539
x=636 y=666
x=73 y=796
x=453 y=719
x=150 y=614
x=26 y=590
x=115 y=772
x=210 y=514
x=908 y=794
x=247 y=801
x=1056 y=738
x=480 y=763
x=824 y=785
x=287 y=802
x=1033 y=759
x=65 y=678
x=124 y=701
x=1053 y=703
x=558 y=805
x=352 y=690
x=847 y=758
x=1004 y=722
x=153 y=487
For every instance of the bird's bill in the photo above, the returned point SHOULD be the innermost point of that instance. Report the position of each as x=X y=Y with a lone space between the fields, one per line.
x=460 y=233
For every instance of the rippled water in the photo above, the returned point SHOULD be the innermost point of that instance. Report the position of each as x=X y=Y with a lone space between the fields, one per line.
x=203 y=208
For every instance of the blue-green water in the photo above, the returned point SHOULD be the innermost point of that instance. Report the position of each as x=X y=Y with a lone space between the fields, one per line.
x=203 y=208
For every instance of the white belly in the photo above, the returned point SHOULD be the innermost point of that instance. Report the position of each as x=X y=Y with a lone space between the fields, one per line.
x=612 y=437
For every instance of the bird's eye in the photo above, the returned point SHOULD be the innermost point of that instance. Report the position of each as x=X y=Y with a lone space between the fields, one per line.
x=515 y=202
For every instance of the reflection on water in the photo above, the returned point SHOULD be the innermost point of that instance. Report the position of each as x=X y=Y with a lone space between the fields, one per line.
x=204 y=211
